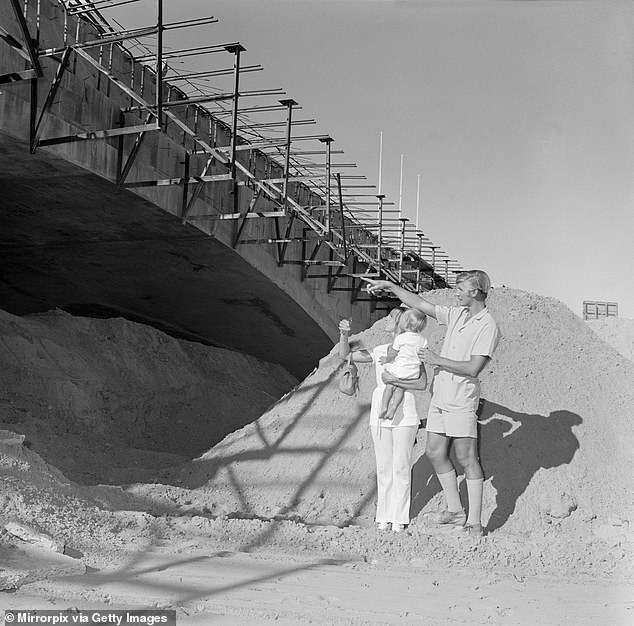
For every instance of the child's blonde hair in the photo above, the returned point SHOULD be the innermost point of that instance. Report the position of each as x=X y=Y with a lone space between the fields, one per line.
x=412 y=321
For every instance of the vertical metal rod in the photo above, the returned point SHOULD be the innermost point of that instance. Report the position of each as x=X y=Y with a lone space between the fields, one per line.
x=120 y=146
x=401 y=255
x=327 y=220
x=65 y=36
x=185 y=184
x=110 y=56
x=343 y=221
x=380 y=158
x=417 y=200
x=379 y=241
x=38 y=23
x=447 y=272
x=159 y=62
x=290 y=103
x=235 y=50
x=433 y=265
x=400 y=192
x=33 y=111
x=418 y=269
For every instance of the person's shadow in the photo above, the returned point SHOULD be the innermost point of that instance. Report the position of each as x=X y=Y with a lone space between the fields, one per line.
x=513 y=446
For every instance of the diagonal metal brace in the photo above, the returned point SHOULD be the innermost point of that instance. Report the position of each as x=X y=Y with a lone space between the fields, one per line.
x=132 y=156
x=254 y=200
x=48 y=103
x=30 y=47
x=197 y=190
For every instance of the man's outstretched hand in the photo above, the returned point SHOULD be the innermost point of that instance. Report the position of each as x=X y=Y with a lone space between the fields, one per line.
x=376 y=286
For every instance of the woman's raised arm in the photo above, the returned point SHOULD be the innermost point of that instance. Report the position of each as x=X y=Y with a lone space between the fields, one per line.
x=358 y=356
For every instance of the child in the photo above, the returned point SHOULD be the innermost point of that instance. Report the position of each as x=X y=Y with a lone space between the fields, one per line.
x=403 y=361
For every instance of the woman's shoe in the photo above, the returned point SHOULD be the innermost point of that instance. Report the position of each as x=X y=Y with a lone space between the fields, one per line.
x=383 y=526
x=397 y=528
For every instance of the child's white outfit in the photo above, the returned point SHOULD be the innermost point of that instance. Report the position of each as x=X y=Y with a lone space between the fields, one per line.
x=406 y=365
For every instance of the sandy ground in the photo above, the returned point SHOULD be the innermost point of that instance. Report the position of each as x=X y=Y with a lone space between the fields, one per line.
x=236 y=588
x=139 y=456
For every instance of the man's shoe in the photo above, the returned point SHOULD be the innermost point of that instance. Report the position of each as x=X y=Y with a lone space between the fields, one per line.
x=398 y=528
x=455 y=518
x=474 y=530
x=383 y=526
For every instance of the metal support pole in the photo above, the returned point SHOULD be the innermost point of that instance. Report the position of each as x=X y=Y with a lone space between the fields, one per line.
x=379 y=242
x=235 y=49
x=418 y=269
x=401 y=253
x=341 y=215
x=159 y=62
x=433 y=265
x=328 y=141
x=185 y=184
x=290 y=103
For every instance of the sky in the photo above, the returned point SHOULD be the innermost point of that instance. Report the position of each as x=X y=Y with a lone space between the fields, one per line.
x=513 y=119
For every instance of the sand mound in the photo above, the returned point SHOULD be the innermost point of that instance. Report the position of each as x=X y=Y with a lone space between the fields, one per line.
x=555 y=433
x=616 y=331
x=102 y=399
x=98 y=397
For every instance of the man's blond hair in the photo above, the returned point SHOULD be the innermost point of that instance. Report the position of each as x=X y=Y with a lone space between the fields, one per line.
x=477 y=279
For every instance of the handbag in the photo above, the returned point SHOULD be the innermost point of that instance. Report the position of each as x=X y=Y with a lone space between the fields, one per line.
x=349 y=379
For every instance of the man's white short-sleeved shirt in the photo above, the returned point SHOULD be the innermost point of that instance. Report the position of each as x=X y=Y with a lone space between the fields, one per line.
x=478 y=335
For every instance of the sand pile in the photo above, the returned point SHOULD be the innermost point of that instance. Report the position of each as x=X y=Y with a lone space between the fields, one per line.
x=111 y=400
x=102 y=399
x=616 y=331
x=556 y=435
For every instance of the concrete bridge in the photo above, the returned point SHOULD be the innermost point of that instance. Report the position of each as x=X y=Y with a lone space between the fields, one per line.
x=122 y=195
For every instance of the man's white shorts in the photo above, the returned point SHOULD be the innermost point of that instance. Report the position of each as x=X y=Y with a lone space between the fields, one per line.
x=464 y=424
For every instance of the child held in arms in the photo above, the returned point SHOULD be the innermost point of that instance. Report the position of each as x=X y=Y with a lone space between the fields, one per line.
x=402 y=359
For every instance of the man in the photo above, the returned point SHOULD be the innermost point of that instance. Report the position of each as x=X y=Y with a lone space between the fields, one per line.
x=471 y=338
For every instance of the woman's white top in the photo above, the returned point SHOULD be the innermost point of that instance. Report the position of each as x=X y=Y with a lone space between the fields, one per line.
x=406 y=414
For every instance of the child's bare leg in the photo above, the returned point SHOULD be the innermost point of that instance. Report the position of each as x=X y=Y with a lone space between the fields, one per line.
x=385 y=401
x=397 y=398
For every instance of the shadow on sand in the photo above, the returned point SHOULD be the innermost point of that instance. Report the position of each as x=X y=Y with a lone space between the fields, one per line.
x=513 y=447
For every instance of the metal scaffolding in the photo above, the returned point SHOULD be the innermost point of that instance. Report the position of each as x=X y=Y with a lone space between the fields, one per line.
x=346 y=219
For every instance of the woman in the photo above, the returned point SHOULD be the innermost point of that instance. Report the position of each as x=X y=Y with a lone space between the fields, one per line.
x=393 y=438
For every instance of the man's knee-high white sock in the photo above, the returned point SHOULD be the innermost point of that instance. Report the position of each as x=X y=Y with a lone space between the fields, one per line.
x=449 y=485
x=474 y=491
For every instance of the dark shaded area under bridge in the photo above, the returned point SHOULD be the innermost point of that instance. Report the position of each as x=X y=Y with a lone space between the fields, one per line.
x=68 y=240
